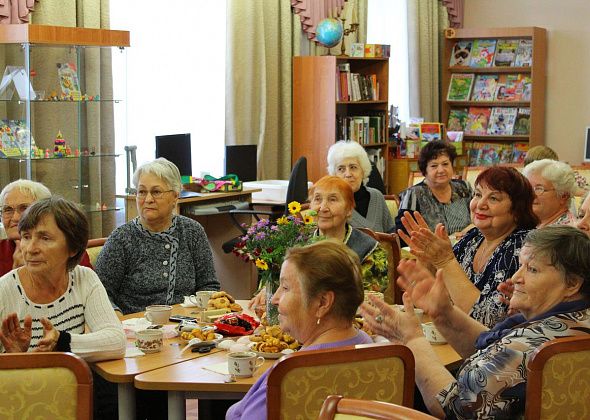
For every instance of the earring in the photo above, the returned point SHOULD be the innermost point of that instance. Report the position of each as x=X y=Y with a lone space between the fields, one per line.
x=318 y=323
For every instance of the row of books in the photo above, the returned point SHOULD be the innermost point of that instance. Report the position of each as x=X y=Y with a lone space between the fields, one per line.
x=370 y=50
x=492 y=52
x=355 y=86
x=487 y=154
x=490 y=87
x=496 y=121
x=364 y=129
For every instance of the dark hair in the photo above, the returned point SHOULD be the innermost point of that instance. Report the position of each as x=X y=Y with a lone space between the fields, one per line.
x=433 y=150
x=68 y=218
x=329 y=265
x=518 y=188
x=567 y=249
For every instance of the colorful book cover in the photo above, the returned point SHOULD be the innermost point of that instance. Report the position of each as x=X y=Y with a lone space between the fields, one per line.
x=475 y=152
x=457 y=119
x=357 y=50
x=519 y=152
x=502 y=121
x=490 y=154
x=431 y=131
x=460 y=86
x=68 y=80
x=482 y=52
x=527 y=88
x=506 y=154
x=524 y=53
x=506 y=52
x=522 y=124
x=484 y=87
x=509 y=88
x=460 y=53
x=369 y=50
x=477 y=121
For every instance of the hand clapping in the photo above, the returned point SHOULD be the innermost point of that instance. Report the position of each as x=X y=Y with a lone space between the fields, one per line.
x=14 y=338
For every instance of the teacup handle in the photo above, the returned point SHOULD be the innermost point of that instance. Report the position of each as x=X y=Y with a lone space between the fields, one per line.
x=148 y=316
x=259 y=362
x=193 y=299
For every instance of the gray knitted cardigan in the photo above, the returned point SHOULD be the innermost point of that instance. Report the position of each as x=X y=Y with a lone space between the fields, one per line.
x=378 y=216
x=140 y=268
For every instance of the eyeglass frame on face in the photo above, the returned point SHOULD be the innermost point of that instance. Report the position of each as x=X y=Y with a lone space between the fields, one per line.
x=8 y=211
x=540 y=190
x=156 y=194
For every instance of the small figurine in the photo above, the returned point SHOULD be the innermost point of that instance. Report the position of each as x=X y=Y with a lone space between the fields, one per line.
x=60 y=145
x=77 y=152
x=68 y=151
x=104 y=207
x=46 y=153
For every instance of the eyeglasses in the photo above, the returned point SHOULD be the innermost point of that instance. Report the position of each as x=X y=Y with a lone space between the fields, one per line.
x=8 y=211
x=540 y=190
x=156 y=194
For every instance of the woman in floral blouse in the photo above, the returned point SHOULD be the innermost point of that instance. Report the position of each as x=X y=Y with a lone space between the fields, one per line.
x=552 y=294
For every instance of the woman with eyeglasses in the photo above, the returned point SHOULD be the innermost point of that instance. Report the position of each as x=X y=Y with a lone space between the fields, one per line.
x=15 y=198
x=555 y=185
x=159 y=257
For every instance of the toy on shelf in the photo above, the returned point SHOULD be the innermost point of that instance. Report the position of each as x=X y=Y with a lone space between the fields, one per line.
x=60 y=145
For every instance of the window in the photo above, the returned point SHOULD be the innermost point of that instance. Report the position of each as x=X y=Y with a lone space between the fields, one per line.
x=175 y=78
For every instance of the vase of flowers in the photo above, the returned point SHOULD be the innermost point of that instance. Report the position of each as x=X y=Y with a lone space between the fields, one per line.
x=266 y=243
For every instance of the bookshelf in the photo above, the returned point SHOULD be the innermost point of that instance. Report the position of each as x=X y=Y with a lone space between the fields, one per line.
x=318 y=110
x=536 y=72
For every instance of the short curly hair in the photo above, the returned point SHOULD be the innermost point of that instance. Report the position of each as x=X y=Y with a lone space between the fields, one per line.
x=346 y=149
x=433 y=150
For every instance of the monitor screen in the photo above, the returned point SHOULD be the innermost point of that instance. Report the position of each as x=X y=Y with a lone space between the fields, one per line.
x=177 y=149
x=241 y=160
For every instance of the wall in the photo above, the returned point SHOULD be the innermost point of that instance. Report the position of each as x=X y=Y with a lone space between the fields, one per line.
x=568 y=66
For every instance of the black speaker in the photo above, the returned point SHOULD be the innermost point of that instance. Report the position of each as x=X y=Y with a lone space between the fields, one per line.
x=241 y=160
x=177 y=149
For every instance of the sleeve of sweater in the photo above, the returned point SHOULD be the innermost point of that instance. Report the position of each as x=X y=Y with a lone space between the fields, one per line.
x=206 y=279
x=111 y=266
x=105 y=339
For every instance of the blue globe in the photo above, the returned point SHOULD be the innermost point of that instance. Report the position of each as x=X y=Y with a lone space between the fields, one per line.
x=329 y=32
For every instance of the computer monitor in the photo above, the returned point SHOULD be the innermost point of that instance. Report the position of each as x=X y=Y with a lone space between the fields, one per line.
x=177 y=149
x=241 y=160
x=587 y=146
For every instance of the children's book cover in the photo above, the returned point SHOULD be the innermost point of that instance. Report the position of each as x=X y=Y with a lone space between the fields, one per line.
x=509 y=88
x=482 y=52
x=457 y=119
x=460 y=54
x=522 y=125
x=519 y=152
x=477 y=121
x=484 y=87
x=524 y=53
x=506 y=52
x=460 y=86
x=68 y=80
x=431 y=131
x=502 y=121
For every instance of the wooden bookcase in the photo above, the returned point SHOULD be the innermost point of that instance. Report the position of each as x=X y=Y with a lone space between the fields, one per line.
x=316 y=108
x=537 y=72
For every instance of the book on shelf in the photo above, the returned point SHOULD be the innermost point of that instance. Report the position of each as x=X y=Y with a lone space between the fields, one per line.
x=527 y=88
x=484 y=87
x=357 y=49
x=68 y=80
x=510 y=88
x=477 y=121
x=502 y=121
x=522 y=124
x=524 y=53
x=460 y=53
x=482 y=52
x=506 y=52
x=369 y=50
x=457 y=119
x=460 y=86
x=487 y=154
x=430 y=131
x=364 y=129
x=519 y=152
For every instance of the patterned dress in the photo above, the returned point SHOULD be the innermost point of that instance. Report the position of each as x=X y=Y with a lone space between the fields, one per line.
x=501 y=266
x=492 y=382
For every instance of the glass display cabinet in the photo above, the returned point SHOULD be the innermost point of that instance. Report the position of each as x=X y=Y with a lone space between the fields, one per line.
x=57 y=113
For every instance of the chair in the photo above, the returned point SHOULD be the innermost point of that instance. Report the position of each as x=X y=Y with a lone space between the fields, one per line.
x=415 y=177
x=392 y=202
x=337 y=407
x=93 y=249
x=296 y=191
x=45 y=385
x=390 y=242
x=470 y=173
x=557 y=382
x=298 y=385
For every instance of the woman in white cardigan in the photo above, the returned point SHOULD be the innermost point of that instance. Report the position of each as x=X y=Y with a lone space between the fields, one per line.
x=46 y=304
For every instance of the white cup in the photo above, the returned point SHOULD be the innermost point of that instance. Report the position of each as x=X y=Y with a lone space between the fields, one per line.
x=149 y=341
x=243 y=364
x=432 y=334
x=158 y=314
x=417 y=311
x=201 y=298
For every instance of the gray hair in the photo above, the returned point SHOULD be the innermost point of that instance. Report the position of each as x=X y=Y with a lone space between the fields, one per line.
x=346 y=149
x=560 y=174
x=567 y=249
x=163 y=169
x=34 y=189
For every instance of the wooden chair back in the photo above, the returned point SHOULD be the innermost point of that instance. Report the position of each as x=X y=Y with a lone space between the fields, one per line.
x=336 y=407
x=470 y=173
x=557 y=382
x=390 y=242
x=392 y=202
x=45 y=385
x=300 y=382
x=415 y=177
x=93 y=249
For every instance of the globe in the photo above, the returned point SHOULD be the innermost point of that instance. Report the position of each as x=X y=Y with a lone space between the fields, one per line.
x=329 y=32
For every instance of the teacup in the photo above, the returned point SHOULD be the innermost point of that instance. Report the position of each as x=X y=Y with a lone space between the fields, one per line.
x=201 y=298
x=432 y=334
x=417 y=311
x=243 y=364
x=149 y=341
x=158 y=314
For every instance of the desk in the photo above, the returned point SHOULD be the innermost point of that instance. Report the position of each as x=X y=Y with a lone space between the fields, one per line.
x=237 y=278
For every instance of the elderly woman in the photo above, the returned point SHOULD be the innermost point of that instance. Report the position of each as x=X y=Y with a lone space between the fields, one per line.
x=332 y=199
x=14 y=200
x=555 y=185
x=583 y=221
x=552 y=294
x=439 y=198
x=501 y=210
x=348 y=160
x=158 y=257
x=46 y=304
x=320 y=290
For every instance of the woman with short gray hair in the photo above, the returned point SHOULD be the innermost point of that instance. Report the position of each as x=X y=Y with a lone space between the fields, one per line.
x=555 y=185
x=158 y=257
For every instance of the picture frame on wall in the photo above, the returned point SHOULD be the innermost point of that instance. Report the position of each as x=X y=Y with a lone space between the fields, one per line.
x=587 y=146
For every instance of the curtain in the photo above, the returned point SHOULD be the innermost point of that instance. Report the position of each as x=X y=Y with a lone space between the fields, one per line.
x=262 y=38
x=426 y=21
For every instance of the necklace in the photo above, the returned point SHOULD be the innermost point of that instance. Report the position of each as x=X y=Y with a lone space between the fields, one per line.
x=482 y=255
